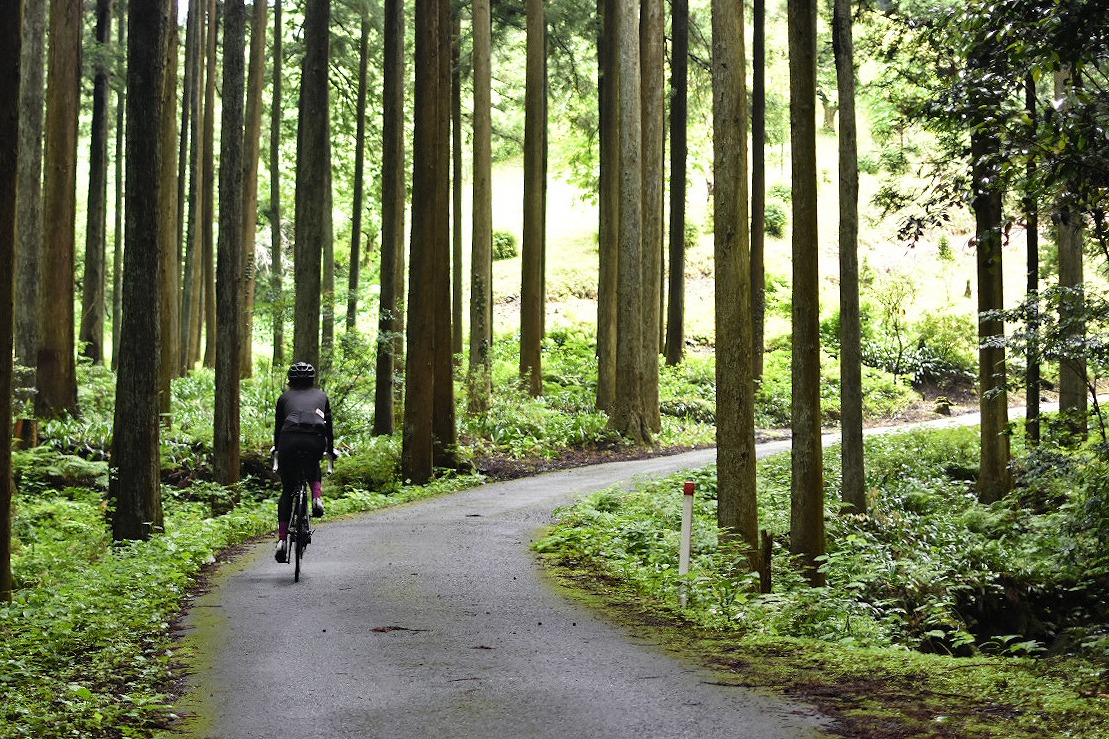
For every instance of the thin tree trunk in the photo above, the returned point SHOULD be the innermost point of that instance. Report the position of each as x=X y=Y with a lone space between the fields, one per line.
x=29 y=189
x=135 y=483
x=10 y=54
x=995 y=479
x=251 y=154
x=444 y=428
x=192 y=62
x=229 y=265
x=652 y=50
x=313 y=216
x=359 y=166
x=1032 y=229
x=277 y=245
x=807 y=509
x=191 y=294
x=1069 y=238
x=57 y=371
x=758 y=185
x=117 y=242
x=679 y=115
x=418 y=446
x=327 y=284
x=608 y=205
x=481 y=261
x=531 y=285
x=207 y=316
x=169 y=277
x=456 y=183
x=93 y=311
x=390 y=325
x=737 y=509
x=850 y=358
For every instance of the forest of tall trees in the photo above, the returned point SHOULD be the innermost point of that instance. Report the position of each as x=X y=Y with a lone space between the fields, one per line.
x=205 y=272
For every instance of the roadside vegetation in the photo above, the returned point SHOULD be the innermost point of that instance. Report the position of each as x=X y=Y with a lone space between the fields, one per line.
x=941 y=617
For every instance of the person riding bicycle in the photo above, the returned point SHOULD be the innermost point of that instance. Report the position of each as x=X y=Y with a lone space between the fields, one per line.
x=302 y=428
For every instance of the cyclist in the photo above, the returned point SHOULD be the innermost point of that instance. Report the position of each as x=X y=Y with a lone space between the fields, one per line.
x=302 y=427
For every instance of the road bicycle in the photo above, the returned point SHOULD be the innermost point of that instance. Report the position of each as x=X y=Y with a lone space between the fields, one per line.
x=300 y=524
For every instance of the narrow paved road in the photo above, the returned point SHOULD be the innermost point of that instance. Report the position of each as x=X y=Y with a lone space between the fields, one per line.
x=434 y=620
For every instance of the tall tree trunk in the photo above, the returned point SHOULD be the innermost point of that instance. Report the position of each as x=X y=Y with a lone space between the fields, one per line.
x=456 y=182
x=359 y=166
x=679 y=149
x=196 y=42
x=117 y=241
x=327 y=284
x=277 y=245
x=652 y=50
x=390 y=325
x=29 y=188
x=1069 y=238
x=481 y=260
x=135 y=482
x=608 y=227
x=229 y=264
x=57 y=371
x=418 y=446
x=758 y=185
x=192 y=26
x=444 y=427
x=91 y=334
x=737 y=507
x=850 y=326
x=313 y=214
x=169 y=277
x=251 y=154
x=207 y=273
x=10 y=53
x=1032 y=292
x=995 y=480
x=807 y=508
x=534 y=241
x=629 y=414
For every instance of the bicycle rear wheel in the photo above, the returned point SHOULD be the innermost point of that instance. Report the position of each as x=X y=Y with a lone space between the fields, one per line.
x=300 y=523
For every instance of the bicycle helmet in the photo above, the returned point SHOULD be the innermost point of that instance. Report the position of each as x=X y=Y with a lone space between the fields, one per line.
x=301 y=373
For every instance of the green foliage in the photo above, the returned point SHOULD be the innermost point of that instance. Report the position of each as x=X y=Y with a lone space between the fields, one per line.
x=42 y=468
x=946 y=348
x=780 y=192
x=776 y=219
x=87 y=645
x=373 y=465
x=883 y=396
x=928 y=567
x=505 y=245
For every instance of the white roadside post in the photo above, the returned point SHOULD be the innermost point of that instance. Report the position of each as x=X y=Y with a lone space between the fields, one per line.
x=687 y=536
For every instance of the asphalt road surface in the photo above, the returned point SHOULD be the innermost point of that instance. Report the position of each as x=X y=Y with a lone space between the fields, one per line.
x=434 y=620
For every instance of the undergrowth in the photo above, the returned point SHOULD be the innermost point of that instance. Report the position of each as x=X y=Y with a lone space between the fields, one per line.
x=1002 y=603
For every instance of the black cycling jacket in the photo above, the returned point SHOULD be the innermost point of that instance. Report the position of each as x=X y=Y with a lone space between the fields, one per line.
x=304 y=410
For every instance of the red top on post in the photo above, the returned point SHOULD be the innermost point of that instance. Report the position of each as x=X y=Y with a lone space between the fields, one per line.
x=689 y=487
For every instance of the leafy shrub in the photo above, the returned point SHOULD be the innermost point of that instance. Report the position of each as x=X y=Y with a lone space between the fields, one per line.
x=883 y=396
x=946 y=348
x=781 y=192
x=776 y=219
x=573 y=283
x=869 y=163
x=505 y=245
x=374 y=465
